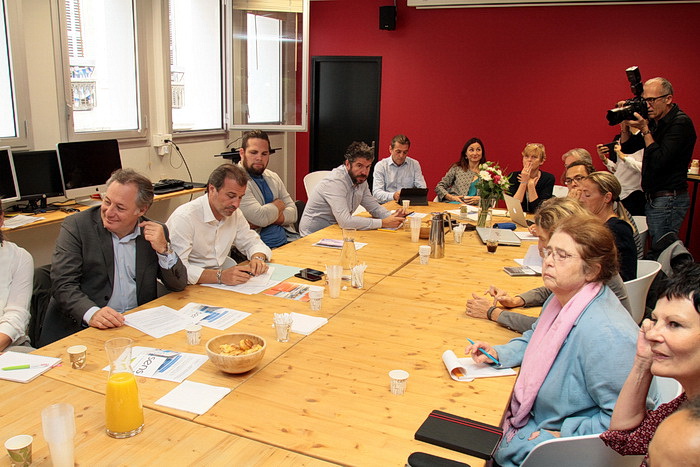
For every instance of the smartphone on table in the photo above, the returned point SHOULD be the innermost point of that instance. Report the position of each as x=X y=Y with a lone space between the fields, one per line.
x=309 y=274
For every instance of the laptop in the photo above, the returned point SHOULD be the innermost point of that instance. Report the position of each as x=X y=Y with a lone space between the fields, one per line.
x=515 y=210
x=505 y=236
x=417 y=196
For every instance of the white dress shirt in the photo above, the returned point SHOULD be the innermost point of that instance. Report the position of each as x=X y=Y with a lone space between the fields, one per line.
x=628 y=172
x=16 y=281
x=335 y=199
x=202 y=242
x=390 y=178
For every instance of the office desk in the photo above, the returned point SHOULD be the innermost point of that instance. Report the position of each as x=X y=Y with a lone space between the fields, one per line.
x=160 y=443
x=56 y=217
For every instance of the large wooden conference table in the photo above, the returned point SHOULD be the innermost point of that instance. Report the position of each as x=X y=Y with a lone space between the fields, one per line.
x=326 y=396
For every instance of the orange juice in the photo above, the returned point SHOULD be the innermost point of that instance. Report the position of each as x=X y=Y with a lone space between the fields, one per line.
x=123 y=409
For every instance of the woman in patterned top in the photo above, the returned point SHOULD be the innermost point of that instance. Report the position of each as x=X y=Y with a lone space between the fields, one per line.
x=459 y=183
x=667 y=346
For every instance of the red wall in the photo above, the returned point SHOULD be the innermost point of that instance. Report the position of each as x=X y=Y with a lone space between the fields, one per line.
x=508 y=75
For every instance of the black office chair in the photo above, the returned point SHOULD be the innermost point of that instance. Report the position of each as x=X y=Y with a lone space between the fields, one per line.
x=41 y=295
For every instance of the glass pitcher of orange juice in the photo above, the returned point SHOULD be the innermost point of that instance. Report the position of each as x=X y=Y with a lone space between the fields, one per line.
x=123 y=409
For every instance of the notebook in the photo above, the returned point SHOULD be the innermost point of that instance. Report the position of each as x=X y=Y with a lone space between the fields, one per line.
x=37 y=364
x=417 y=196
x=505 y=237
x=515 y=210
x=460 y=434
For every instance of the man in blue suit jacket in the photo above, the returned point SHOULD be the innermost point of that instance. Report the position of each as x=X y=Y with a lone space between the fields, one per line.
x=108 y=259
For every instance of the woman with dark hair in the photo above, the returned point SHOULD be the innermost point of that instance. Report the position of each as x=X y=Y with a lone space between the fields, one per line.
x=667 y=346
x=575 y=359
x=459 y=183
x=16 y=276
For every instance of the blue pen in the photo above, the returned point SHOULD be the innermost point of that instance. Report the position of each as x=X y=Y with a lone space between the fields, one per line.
x=485 y=353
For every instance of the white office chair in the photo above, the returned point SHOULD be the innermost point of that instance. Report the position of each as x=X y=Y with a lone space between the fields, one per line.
x=560 y=191
x=668 y=389
x=643 y=228
x=578 y=451
x=637 y=288
x=312 y=179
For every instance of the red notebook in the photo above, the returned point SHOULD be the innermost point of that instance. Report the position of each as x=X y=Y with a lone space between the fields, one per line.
x=460 y=434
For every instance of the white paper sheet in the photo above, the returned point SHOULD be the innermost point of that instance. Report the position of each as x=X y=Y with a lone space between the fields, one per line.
x=254 y=286
x=193 y=397
x=157 y=322
x=336 y=244
x=305 y=324
x=163 y=364
x=214 y=317
x=20 y=220
x=526 y=235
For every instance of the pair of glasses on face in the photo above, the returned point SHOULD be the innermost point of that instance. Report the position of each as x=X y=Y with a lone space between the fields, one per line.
x=576 y=179
x=651 y=100
x=558 y=255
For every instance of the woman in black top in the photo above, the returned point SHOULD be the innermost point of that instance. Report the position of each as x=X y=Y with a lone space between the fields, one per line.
x=600 y=194
x=531 y=185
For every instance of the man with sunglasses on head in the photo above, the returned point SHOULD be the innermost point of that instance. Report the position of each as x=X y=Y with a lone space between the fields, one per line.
x=668 y=138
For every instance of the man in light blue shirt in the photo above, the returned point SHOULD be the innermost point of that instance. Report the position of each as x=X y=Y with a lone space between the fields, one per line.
x=396 y=171
x=338 y=195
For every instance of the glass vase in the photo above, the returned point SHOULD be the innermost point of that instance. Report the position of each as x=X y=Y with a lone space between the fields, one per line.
x=486 y=205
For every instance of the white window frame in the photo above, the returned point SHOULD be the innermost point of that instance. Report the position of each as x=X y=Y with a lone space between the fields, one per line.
x=18 y=70
x=141 y=14
x=230 y=69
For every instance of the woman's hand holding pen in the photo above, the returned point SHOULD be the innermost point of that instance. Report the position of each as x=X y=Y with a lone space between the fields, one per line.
x=478 y=352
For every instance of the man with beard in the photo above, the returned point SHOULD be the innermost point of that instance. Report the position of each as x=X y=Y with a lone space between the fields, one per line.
x=267 y=205
x=338 y=195
x=203 y=231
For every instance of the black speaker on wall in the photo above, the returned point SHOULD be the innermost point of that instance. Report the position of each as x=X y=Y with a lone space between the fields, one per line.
x=387 y=17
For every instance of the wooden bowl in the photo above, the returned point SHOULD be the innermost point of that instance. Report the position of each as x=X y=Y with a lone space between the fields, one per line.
x=424 y=231
x=234 y=363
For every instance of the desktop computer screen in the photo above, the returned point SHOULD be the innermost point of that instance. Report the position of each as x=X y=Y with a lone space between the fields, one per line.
x=38 y=177
x=86 y=166
x=8 y=180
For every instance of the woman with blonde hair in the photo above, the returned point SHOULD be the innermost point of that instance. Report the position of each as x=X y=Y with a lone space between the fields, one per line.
x=600 y=195
x=531 y=185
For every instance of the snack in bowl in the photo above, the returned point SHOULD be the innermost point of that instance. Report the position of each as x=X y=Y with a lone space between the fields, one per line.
x=236 y=353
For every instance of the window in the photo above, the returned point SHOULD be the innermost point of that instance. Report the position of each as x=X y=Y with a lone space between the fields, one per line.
x=268 y=57
x=195 y=65
x=12 y=82
x=101 y=72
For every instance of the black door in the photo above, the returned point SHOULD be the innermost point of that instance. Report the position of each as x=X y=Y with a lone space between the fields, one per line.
x=344 y=107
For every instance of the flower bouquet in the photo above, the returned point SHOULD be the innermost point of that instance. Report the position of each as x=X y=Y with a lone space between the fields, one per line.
x=490 y=187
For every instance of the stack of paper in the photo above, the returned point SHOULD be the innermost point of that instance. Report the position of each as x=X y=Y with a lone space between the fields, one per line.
x=305 y=324
x=465 y=369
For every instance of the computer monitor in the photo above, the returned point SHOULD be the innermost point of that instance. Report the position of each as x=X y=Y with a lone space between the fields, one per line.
x=38 y=177
x=86 y=166
x=8 y=180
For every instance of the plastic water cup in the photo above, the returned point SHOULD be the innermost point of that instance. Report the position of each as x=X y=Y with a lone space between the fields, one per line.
x=315 y=298
x=334 y=274
x=424 y=253
x=415 y=228
x=58 y=423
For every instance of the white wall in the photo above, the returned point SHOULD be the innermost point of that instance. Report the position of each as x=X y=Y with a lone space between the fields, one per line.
x=46 y=113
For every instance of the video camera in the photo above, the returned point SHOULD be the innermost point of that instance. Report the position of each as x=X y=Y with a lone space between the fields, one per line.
x=636 y=104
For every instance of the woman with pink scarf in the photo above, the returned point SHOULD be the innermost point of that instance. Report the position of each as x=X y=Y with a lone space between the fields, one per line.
x=576 y=358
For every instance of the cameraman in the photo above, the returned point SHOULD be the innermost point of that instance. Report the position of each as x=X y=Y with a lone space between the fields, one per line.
x=668 y=139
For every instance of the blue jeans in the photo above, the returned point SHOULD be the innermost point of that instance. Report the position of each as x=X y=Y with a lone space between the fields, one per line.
x=665 y=214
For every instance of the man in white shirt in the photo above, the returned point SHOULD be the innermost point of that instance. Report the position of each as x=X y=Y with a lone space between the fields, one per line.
x=396 y=171
x=338 y=195
x=628 y=171
x=203 y=231
x=267 y=205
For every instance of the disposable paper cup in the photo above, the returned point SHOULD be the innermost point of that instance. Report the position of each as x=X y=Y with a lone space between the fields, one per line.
x=424 y=252
x=406 y=204
x=78 y=356
x=399 y=380
x=19 y=448
x=458 y=235
x=194 y=334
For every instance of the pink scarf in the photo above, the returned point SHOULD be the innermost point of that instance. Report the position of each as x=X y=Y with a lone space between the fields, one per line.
x=552 y=329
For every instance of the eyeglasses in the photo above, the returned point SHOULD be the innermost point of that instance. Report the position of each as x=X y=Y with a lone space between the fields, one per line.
x=559 y=255
x=651 y=100
x=576 y=179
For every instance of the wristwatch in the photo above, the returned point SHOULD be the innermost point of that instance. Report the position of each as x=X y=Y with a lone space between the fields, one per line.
x=218 y=275
x=168 y=250
x=262 y=258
